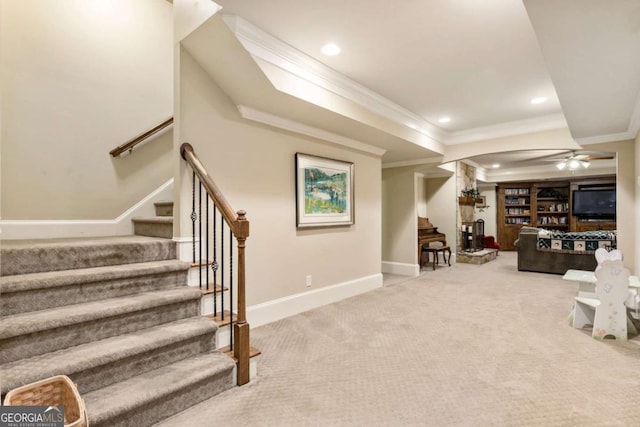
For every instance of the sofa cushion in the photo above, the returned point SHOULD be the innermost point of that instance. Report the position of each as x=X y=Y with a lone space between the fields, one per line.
x=585 y=242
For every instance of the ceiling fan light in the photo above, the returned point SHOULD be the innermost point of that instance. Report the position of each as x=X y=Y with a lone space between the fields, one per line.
x=574 y=164
x=561 y=165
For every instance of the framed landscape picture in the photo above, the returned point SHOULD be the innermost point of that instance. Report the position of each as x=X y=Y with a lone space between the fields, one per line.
x=324 y=191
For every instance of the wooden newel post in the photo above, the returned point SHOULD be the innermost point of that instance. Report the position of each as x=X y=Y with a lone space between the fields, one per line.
x=241 y=344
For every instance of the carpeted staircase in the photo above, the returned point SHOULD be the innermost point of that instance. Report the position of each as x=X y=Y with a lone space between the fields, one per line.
x=116 y=316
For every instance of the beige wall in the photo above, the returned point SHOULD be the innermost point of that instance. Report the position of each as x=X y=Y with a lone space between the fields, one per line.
x=421 y=196
x=637 y=201
x=400 y=206
x=79 y=78
x=254 y=166
x=626 y=204
x=442 y=201
x=489 y=214
x=399 y=216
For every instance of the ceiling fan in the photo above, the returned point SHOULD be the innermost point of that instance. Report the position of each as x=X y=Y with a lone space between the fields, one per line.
x=576 y=161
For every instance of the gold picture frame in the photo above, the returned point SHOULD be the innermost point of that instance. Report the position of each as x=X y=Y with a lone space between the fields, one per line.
x=324 y=192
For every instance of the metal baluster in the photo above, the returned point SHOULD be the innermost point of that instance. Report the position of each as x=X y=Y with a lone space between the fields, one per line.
x=222 y=268
x=200 y=235
x=214 y=264
x=193 y=216
x=230 y=289
x=207 y=235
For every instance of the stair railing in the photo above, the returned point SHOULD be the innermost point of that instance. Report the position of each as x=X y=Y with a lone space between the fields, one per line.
x=219 y=216
x=129 y=145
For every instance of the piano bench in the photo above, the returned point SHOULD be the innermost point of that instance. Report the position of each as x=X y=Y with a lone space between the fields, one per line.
x=446 y=254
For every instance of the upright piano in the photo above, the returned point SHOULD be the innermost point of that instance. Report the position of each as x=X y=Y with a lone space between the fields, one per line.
x=427 y=233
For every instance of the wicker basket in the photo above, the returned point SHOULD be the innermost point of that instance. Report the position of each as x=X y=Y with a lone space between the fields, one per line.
x=54 y=391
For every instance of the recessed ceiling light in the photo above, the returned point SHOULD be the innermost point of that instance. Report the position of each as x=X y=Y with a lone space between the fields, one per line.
x=495 y=165
x=444 y=119
x=331 y=49
x=539 y=100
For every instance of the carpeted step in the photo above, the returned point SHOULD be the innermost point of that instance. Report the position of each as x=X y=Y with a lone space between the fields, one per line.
x=38 y=291
x=155 y=395
x=164 y=208
x=101 y=363
x=30 y=334
x=33 y=256
x=155 y=226
x=115 y=315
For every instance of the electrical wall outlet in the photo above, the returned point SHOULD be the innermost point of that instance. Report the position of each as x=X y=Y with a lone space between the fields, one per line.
x=309 y=281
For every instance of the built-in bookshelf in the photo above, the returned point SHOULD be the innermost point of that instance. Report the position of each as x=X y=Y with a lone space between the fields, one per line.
x=514 y=211
x=545 y=204
x=552 y=205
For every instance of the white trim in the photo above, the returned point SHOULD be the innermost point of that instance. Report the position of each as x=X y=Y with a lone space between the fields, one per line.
x=261 y=314
x=517 y=127
x=548 y=172
x=259 y=116
x=606 y=138
x=415 y=162
x=184 y=248
x=263 y=46
x=272 y=50
x=121 y=226
x=222 y=336
x=400 y=268
x=634 y=123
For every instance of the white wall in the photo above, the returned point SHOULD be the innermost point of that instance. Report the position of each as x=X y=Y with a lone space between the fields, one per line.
x=254 y=166
x=79 y=78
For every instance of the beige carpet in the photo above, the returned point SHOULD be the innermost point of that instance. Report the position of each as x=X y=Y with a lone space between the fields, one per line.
x=466 y=345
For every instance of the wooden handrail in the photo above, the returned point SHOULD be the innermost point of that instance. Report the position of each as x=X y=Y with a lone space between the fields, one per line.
x=128 y=146
x=187 y=153
x=239 y=226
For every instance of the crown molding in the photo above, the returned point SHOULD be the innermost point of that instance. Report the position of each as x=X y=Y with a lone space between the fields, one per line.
x=300 y=128
x=549 y=172
x=268 y=48
x=472 y=163
x=516 y=127
x=415 y=162
x=634 y=123
x=612 y=137
x=481 y=172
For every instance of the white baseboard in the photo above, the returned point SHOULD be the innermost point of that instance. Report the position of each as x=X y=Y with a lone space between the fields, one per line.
x=121 y=226
x=270 y=311
x=401 y=269
x=184 y=248
x=222 y=337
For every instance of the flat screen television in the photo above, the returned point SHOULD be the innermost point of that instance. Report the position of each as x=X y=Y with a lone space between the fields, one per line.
x=599 y=203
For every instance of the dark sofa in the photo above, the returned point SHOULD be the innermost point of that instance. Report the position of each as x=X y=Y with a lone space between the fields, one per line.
x=531 y=259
